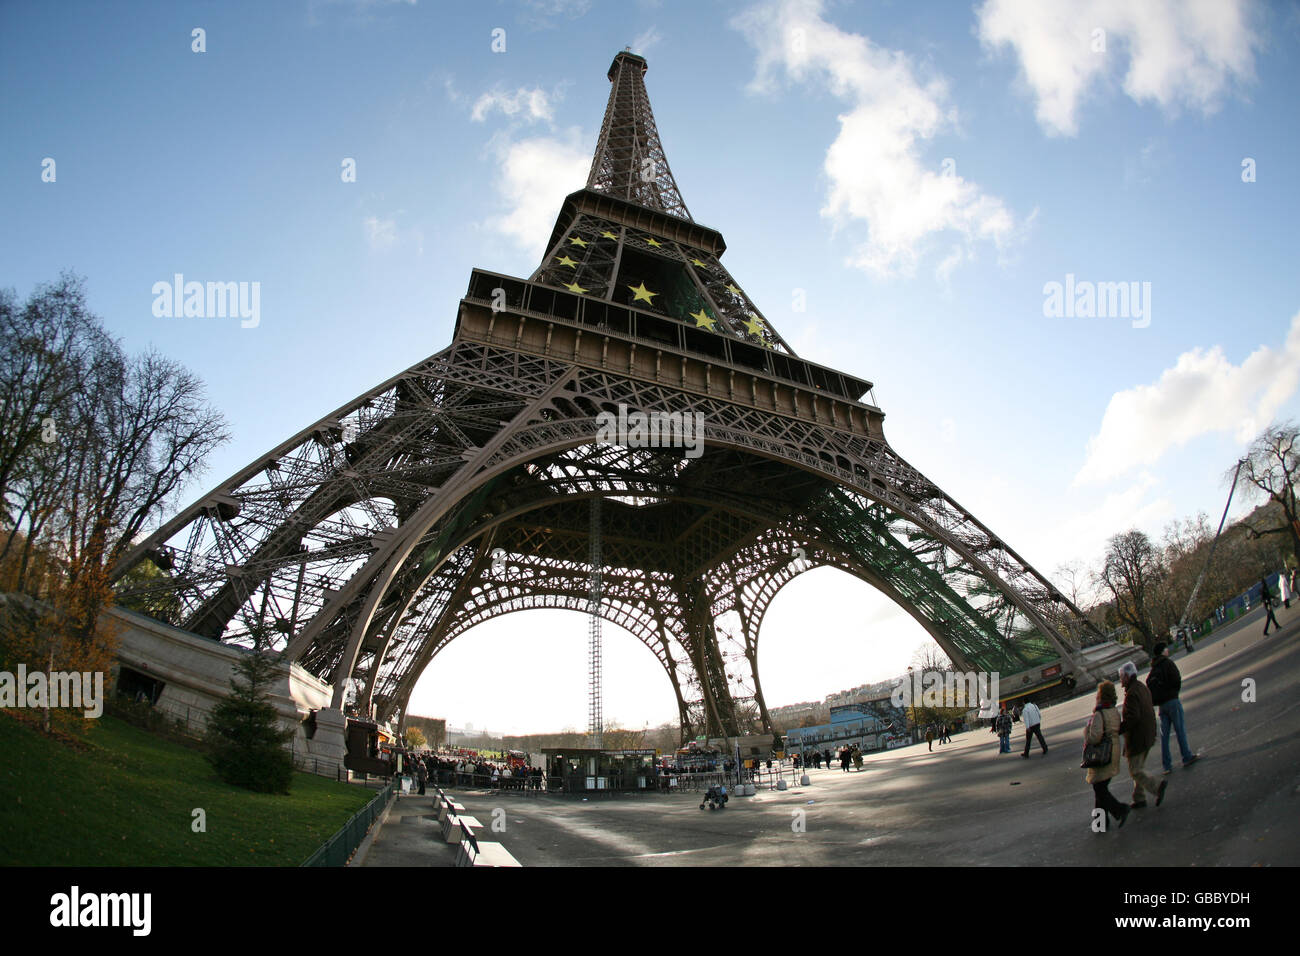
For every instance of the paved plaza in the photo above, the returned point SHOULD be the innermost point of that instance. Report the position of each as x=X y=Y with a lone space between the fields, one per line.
x=962 y=804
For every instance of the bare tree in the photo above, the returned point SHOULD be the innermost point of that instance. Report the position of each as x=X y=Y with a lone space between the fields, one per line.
x=1271 y=470
x=1183 y=538
x=1132 y=572
x=45 y=347
x=930 y=657
x=1073 y=574
x=93 y=445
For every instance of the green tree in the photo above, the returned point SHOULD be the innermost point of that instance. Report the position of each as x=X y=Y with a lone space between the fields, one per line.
x=245 y=742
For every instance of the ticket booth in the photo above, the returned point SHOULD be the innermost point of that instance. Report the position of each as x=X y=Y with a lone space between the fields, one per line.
x=364 y=755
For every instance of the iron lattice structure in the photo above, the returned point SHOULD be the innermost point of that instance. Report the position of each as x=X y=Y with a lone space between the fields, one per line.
x=595 y=652
x=462 y=488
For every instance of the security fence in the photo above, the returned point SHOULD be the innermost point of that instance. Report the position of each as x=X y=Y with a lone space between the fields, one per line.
x=669 y=782
x=338 y=849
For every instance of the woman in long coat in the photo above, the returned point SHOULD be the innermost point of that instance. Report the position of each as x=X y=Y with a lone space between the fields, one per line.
x=1105 y=722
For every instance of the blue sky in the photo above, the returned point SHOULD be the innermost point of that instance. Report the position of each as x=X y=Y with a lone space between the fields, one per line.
x=813 y=135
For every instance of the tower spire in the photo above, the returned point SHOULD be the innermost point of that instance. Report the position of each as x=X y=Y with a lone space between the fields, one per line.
x=630 y=161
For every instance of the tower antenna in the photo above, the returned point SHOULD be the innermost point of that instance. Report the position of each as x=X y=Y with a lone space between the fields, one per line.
x=595 y=676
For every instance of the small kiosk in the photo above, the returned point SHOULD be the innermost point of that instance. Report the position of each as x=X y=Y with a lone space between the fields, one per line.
x=586 y=771
x=368 y=748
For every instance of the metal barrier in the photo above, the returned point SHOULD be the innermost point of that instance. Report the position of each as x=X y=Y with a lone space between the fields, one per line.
x=528 y=786
x=338 y=849
x=659 y=783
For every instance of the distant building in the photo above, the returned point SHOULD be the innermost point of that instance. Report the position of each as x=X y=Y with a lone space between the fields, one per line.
x=868 y=724
x=792 y=715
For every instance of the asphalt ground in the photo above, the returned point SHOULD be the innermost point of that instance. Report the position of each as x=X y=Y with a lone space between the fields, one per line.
x=963 y=804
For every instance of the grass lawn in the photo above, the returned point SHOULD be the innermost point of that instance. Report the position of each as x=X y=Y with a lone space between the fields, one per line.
x=128 y=800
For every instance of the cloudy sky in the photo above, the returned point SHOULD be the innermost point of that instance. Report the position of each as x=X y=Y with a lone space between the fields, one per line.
x=917 y=176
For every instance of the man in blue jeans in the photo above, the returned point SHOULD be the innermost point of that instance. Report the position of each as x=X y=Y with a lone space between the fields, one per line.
x=1165 y=682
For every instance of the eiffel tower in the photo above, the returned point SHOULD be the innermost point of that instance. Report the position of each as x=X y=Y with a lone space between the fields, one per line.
x=461 y=488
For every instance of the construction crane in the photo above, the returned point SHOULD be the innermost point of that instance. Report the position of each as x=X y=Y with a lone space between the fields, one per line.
x=1187 y=611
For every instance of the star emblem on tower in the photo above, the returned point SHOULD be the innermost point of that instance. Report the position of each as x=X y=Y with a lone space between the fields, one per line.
x=641 y=294
x=703 y=320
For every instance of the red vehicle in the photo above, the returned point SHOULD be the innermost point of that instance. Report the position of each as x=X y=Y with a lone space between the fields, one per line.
x=517 y=759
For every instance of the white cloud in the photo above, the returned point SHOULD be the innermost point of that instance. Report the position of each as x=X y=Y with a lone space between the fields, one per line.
x=1084 y=534
x=645 y=40
x=530 y=104
x=876 y=172
x=1179 y=53
x=449 y=85
x=381 y=234
x=535 y=176
x=1203 y=393
x=943 y=271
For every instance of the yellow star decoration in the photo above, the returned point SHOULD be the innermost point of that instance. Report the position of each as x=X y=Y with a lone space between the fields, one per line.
x=574 y=287
x=733 y=290
x=697 y=262
x=642 y=294
x=652 y=241
x=576 y=241
x=754 y=324
x=703 y=320
x=566 y=261
x=608 y=235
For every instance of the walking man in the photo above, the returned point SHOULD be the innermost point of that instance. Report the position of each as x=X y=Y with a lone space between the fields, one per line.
x=1138 y=728
x=1165 y=683
x=1267 y=600
x=1033 y=719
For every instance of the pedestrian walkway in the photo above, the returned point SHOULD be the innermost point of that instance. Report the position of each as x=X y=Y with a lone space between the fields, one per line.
x=409 y=836
x=962 y=804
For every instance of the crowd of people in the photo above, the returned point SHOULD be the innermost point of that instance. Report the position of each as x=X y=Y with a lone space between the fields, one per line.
x=849 y=753
x=943 y=732
x=466 y=769
x=1115 y=731
x=1135 y=724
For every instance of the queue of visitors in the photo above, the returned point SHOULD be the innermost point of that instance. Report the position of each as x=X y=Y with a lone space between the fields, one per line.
x=466 y=769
